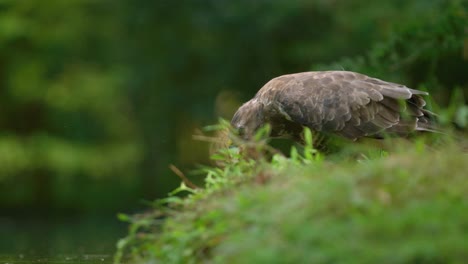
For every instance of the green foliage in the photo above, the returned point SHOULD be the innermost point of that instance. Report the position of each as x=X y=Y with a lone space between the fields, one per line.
x=406 y=205
x=66 y=125
x=250 y=161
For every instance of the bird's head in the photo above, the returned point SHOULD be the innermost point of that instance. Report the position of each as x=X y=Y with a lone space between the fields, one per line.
x=248 y=118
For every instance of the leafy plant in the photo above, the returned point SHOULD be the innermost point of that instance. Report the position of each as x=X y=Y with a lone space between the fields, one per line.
x=246 y=161
x=303 y=207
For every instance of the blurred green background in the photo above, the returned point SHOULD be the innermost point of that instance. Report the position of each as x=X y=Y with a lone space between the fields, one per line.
x=97 y=98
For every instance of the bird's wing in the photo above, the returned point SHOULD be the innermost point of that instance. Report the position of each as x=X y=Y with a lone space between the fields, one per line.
x=347 y=103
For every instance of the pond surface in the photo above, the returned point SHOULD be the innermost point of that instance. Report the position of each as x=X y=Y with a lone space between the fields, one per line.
x=59 y=259
x=59 y=239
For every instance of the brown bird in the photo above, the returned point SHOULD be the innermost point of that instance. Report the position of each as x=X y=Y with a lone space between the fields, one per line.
x=345 y=103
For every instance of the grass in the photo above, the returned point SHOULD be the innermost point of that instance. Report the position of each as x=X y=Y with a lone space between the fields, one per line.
x=406 y=205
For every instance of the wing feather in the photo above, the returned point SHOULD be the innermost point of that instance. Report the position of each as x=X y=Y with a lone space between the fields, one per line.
x=350 y=104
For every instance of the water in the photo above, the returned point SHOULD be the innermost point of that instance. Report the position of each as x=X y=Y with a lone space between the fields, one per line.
x=59 y=259
x=59 y=239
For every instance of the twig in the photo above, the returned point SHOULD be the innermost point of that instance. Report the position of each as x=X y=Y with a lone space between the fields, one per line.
x=182 y=177
x=207 y=139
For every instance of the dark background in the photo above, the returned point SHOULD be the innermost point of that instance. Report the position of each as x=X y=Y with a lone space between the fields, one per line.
x=97 y=98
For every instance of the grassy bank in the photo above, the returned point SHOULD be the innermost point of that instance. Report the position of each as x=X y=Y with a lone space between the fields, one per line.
x=406 y=205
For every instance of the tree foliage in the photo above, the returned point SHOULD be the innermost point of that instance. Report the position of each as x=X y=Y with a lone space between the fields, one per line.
x=65 y=118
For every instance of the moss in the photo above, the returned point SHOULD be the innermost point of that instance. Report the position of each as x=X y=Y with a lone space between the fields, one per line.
x=408 y=206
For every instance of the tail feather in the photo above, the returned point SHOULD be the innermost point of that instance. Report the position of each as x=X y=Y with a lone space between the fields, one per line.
x=427 y=122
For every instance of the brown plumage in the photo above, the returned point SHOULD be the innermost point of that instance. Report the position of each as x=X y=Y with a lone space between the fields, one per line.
x=345 y=103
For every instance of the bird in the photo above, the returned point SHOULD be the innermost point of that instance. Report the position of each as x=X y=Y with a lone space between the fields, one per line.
x=343 y=103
